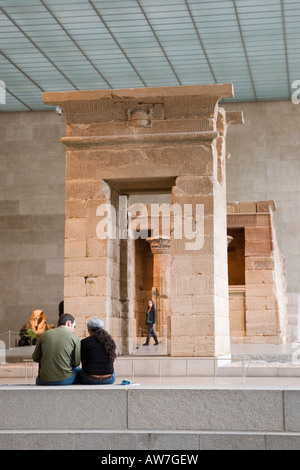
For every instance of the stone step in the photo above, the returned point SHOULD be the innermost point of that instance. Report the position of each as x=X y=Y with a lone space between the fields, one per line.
x=150 y=441
x=150 y=417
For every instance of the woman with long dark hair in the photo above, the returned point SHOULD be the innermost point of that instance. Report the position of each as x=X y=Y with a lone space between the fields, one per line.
x=151 y=321
x=98 y=353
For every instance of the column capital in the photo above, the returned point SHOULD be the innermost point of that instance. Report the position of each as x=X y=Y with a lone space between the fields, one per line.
x=159 y=245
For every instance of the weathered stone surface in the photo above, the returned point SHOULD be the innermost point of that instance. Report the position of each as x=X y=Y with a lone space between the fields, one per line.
x=107 y=105
x=162 y=139
x=75 y=287
x=86 y=267
x=32 y=176
x=291 y=409
x=264 y=313
x=232 y=441
x=75 y=208
x=166 y=441
x=246 y=410
x=112 y=409
x=75 y=248
x=202 y=324
x=257 y=233
x=247 y=207
x=178 y=417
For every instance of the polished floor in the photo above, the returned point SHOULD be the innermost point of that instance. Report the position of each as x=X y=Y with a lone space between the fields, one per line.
x=283 y=356
x=192 y=381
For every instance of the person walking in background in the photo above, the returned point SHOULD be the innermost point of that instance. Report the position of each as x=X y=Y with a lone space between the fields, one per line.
x=58 y=354
x=151 y=321
x=98 y=353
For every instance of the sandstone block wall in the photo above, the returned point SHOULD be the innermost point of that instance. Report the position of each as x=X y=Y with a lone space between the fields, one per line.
x=32 y=213
x=264 y=164
x=263 y=299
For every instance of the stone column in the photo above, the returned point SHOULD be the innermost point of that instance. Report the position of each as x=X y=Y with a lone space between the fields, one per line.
x=91 y=279
x=199 y=274
x=160 y=248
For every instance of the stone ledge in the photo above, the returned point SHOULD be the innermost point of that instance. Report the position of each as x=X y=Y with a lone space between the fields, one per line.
x=150 y=417
x=151 y=407
x=135 y=440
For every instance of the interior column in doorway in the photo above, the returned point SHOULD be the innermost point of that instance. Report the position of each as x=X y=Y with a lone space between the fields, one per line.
x=160 y=248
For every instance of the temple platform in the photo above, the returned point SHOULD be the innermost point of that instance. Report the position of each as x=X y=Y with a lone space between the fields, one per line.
x=250 y=400
x=252 y=360
x=183 y=416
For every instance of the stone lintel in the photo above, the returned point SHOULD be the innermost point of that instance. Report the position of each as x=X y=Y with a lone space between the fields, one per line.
x=251 y=208
x=131 y=104
x=61 y=97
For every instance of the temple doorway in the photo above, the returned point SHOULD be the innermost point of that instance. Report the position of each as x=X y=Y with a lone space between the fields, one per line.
x=151 y=275
x=143 y=285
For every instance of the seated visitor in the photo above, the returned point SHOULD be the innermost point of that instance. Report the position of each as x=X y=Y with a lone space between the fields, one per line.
x=58 y=354
x=98 y=352
x=27 y=336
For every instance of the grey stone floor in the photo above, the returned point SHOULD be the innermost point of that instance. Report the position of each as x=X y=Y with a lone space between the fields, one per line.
x=161 y=350
x=269 y=354
x=227 y=381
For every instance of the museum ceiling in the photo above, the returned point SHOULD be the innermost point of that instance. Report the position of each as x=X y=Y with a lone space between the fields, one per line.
x=55 y=45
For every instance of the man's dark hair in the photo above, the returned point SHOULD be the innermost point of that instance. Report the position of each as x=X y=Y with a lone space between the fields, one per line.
x=63 y=319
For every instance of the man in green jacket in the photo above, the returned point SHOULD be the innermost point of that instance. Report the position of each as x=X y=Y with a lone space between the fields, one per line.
x=58 y=354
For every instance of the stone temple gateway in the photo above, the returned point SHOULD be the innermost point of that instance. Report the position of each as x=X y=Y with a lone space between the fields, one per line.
x=166 y=144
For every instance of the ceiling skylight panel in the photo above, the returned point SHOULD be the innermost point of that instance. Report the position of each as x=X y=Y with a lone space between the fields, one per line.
x=67 y=4
x=132 y=41
x=12 y=104
x=165 y=5
x=115 y=5
x=15 y=4
x=27 y=17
